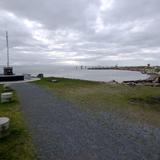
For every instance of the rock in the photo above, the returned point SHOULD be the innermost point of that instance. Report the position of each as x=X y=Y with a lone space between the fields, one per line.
x=4 y=126
x=6 y=97
x=132 y=84
x=27 y=76
x=113 y=82
x=54 y=81
x=40 y=75
x=157 y=80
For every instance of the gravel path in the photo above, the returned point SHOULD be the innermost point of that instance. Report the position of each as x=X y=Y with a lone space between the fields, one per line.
x=63 y=132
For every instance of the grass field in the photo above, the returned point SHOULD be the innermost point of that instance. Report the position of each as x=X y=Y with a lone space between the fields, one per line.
x=18 y=144
x=140 y=103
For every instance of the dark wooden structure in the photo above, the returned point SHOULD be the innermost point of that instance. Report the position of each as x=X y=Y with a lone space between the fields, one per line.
x=8 y=78
x=8 y=74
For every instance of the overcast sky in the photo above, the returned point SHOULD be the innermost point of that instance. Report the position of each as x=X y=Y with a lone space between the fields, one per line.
x=81 y=32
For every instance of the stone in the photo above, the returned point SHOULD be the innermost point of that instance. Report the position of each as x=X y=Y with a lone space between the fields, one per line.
x=113 y=82
x=157 y=80
x=54 y=80
x=6 y=97
x=132 y=84
x=27 y=76
x=4 y=126
x=40 y=75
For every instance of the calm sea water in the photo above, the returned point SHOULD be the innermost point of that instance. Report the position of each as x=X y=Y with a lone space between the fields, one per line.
x=72 y=72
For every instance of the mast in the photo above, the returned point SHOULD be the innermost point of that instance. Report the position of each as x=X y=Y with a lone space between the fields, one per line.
x=7 y=48
x=7 y=70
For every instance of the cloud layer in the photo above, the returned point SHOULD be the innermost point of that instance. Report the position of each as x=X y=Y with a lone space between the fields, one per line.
x=81 y=32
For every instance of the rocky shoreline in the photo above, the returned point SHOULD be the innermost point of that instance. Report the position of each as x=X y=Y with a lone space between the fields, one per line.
x=153 y=80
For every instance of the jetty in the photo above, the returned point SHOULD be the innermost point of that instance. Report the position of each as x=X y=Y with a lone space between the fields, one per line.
x=148 y=69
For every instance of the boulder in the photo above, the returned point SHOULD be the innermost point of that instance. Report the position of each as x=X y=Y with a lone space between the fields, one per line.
x=4 y=126
x=54 y=80
x=6 y=97
x=157 y=80
x=40 y=75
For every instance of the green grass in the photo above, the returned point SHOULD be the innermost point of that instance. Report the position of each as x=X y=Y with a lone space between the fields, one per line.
x=18 y=144
x=140 y=103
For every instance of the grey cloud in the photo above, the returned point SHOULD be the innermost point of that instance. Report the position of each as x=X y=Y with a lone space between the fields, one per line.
x=51 y=31
x=125 y=10
x=53 y=13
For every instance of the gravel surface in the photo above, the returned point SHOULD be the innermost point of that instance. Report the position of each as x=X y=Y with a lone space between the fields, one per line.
x=63 y=132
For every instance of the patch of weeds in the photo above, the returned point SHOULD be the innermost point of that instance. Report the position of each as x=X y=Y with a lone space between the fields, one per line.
x=17 y=145
x=147 y=100
x=152 y=102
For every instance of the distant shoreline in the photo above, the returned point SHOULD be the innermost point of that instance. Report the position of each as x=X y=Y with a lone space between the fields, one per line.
x=143 y=69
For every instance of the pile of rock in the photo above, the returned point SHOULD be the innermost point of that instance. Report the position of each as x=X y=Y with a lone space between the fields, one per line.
x=113 y=82
x=40 y=75
x=153 y=80
x=157 y=79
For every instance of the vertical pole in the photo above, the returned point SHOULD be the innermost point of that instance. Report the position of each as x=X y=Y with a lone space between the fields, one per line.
x=7 y=49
